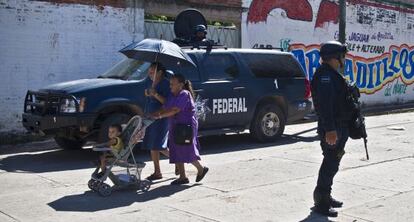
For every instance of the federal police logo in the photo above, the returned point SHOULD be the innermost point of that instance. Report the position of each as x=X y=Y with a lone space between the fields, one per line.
x=325 y=79
x=201 y=108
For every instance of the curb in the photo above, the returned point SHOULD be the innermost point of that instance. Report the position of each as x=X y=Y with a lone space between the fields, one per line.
x=14 y=138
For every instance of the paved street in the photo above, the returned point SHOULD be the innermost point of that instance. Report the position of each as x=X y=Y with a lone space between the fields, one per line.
x=247 y=181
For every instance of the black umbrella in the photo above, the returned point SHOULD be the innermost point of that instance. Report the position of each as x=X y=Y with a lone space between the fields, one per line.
x=156 y=50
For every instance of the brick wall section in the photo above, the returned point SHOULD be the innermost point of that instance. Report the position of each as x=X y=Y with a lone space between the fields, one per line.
x=123 y=3
x=44 y=43
x=229 y=3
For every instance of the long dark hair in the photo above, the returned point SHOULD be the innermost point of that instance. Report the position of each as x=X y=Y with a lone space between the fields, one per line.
x=187 y=83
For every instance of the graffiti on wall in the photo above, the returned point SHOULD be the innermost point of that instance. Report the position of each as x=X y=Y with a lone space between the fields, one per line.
x=300 y=10
x=370 y=75
x=396 y=88
x=381 y=53
x=367 y=12
x=370 y=15
x=367 y=43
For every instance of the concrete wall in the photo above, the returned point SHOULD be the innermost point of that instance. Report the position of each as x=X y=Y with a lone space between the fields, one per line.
x=45 y=42
x=380 y=37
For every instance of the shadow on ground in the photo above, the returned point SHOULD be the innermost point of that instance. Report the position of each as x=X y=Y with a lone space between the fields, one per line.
x=92 y=202
x=61 y=160
x=238 y=142
x=53 y=161
x=315 y=217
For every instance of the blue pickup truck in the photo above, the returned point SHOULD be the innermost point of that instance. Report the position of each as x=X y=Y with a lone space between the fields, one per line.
x=236 y=89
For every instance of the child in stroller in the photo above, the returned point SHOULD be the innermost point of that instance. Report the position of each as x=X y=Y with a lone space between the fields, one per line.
x=122 y=169
x=115 y=143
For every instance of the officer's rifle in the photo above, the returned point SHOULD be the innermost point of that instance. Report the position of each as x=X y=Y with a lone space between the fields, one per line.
x=358 y=130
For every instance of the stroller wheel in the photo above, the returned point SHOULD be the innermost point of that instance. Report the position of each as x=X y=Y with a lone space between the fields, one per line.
x=104 y=189
x=133 y=178
x=144 y=185
x=92 y=184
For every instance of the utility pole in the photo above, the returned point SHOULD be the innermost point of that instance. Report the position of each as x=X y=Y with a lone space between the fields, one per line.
x=342 y=20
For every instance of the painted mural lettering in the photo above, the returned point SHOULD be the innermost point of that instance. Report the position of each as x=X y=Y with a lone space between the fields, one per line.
x=365 y=15
x=386 y=16
x=369 y=15
x=383 y=36
x=395 y=89
x=284 y=44
x=370 y=74
x=410 y=22
x=358 y=37
x=365 y=38
x=376 y=49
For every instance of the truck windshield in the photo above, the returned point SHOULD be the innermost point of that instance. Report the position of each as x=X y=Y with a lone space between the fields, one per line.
x=127 y=69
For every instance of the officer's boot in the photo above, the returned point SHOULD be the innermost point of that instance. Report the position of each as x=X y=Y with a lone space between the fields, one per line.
x=323 y=205
x=335 y=203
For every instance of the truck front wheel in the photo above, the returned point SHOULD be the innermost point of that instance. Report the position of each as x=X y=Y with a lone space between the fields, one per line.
x=268 y=123
x=69 y=143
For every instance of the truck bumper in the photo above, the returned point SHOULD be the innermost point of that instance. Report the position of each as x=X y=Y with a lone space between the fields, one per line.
x=36 y=123
x=299 y=110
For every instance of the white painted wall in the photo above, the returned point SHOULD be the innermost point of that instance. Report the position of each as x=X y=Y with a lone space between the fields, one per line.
x=386 y=81
x=43 y=43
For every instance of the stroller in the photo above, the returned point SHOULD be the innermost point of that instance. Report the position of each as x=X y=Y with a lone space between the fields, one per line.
x=124 y=173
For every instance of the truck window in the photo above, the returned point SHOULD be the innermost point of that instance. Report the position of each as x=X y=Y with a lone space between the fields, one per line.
x=127 y=69
x=220 y=66
x=273 y=65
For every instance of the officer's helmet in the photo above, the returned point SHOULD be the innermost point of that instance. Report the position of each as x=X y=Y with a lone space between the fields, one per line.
x=332 y=49
x=200 y=28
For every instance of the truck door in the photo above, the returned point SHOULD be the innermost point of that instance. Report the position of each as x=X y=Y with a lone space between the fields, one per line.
x=193 y=74
x=221 y=91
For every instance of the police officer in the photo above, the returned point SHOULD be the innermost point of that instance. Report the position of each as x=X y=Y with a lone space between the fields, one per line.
x=200 y=32
x=329 y=94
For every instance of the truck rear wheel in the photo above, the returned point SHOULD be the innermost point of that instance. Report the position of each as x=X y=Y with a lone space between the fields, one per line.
x=116 y=118
x=69 y=143
x=268 y=123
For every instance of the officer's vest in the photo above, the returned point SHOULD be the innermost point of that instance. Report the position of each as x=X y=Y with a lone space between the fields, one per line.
x=344 y=106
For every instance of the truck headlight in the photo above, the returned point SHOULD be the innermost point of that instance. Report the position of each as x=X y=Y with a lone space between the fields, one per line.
x=68 y=106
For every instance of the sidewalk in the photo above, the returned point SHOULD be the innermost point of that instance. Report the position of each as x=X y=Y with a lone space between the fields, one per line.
x=247 y=181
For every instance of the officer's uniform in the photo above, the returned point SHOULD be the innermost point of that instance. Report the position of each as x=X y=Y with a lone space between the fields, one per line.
x=329 y=93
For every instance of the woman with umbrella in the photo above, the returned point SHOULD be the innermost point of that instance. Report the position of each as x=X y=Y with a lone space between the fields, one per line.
x=180 y=111
x=155 y=139
x=170 y=55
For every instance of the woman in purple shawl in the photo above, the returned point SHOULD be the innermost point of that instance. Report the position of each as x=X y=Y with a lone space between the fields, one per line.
x=180 y=109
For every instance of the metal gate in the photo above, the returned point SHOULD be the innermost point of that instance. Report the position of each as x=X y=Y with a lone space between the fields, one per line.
x=224 y=35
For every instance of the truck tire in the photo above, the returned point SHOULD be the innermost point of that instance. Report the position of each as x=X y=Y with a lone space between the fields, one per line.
x=115 y=118
x=268 y=123
x=69 y=143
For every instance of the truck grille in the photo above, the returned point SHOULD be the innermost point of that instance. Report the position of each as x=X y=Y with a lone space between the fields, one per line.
x=43 y=103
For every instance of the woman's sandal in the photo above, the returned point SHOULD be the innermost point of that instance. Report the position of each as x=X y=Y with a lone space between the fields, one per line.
x=200 y=177
x=154 y=177
x=180 y=181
